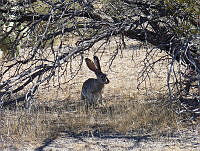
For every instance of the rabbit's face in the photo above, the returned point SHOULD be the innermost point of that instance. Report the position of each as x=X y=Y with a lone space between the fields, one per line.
x=102 y=78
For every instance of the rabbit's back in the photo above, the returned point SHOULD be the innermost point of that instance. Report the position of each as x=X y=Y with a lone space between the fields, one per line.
x=91 y=90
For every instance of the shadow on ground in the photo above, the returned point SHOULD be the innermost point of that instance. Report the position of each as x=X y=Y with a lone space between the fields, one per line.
x=95 y=141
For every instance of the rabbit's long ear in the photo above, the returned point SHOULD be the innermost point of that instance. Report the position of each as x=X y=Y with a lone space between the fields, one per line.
x=97 y=63
x=90 y=64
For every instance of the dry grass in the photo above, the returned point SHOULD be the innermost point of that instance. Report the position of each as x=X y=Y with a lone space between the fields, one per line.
x=49 y=121
x=124 y=117
x=125 y=110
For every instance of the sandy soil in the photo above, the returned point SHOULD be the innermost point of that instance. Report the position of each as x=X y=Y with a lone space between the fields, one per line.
x=188 y=140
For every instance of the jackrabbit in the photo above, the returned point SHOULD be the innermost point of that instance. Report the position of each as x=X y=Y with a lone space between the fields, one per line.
x=92 y=88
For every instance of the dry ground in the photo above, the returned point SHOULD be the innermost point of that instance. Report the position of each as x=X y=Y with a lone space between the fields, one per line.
x=129 y=118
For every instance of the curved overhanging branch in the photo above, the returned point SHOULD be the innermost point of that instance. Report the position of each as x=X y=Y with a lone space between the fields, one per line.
x=15 y=84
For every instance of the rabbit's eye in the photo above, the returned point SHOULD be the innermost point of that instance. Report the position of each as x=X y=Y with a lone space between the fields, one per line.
x=103 y=76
